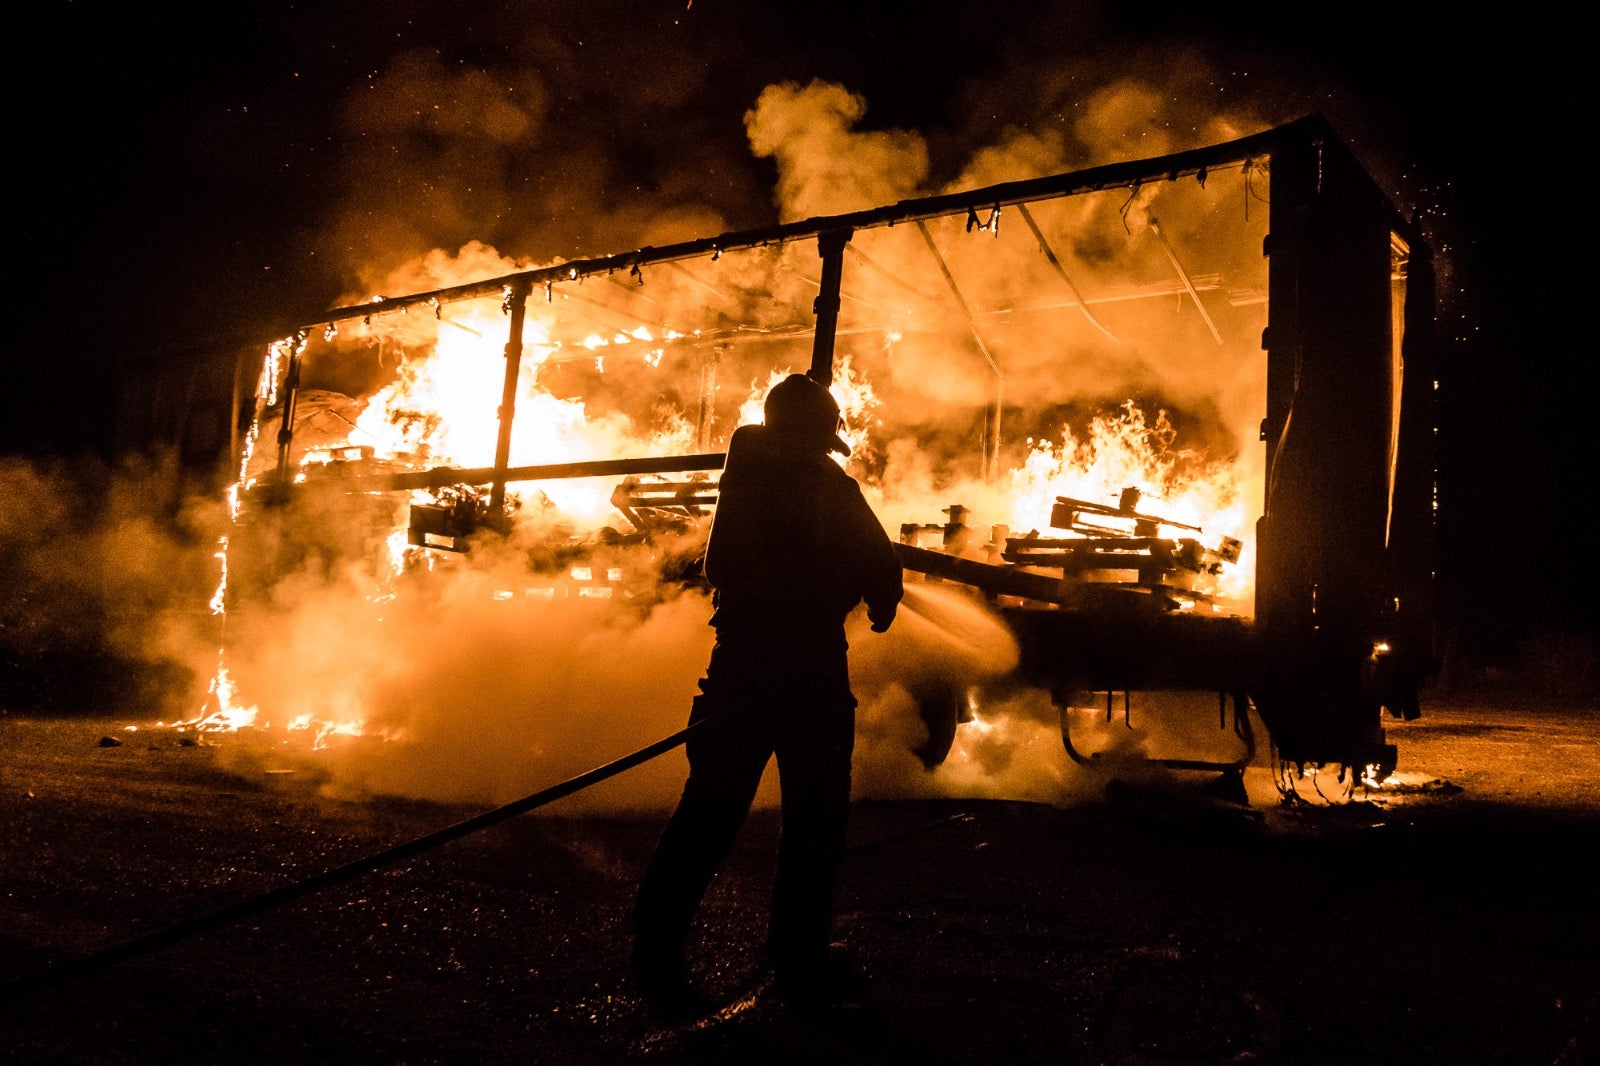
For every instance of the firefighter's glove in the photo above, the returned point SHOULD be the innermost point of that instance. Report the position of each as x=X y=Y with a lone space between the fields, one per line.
x=881 y=620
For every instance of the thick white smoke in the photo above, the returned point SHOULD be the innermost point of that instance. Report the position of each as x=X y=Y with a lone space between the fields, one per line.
x=825 y=165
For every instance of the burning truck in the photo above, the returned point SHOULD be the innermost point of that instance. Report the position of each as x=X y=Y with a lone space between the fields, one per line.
x=1167 y=420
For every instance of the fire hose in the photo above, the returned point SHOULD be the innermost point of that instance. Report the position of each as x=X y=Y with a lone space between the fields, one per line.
x=64 y=972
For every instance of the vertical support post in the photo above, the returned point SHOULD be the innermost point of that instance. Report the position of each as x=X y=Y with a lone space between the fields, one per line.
x=516 y=302
x=830 y=246
x=291 y=395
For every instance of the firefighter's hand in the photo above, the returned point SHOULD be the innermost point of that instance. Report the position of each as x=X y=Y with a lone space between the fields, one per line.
x=881 y=620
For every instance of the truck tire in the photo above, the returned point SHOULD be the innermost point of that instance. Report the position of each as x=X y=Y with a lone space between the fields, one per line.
x=942 y=705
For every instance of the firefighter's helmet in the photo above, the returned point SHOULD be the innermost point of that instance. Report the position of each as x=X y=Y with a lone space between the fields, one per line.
x=799 y=405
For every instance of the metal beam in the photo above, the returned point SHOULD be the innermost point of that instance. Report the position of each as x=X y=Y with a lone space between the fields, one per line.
x=517 y=305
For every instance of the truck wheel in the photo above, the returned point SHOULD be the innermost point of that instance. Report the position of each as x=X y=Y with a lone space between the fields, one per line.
x=941 y=704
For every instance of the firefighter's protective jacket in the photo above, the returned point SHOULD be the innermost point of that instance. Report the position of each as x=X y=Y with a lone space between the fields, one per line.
x=794 y=547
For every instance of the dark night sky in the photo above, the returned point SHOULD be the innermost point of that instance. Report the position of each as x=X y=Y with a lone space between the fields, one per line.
x=184 y=177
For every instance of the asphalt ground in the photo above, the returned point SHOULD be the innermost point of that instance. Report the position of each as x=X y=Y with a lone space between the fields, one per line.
x=1448 y=916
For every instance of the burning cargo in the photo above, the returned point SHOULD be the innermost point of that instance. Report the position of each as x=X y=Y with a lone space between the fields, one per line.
x=1185 y=402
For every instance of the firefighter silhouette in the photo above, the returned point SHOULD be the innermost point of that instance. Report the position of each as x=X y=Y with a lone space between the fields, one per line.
x=794 y=549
